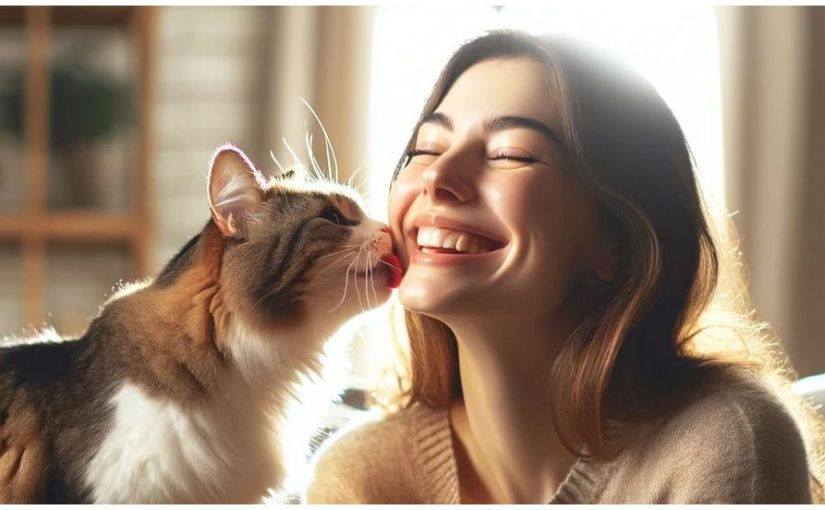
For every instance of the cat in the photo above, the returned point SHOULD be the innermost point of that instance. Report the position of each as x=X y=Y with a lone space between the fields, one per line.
x=174 y=392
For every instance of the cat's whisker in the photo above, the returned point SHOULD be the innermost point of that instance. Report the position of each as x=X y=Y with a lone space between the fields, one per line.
x=372 y=280
x=318 y=166
x=325 y=172
x=277 y=163
x=387 y=264
x=371 y=277
x=346 y=285
x=346 y=249
x=331 y=264
x=300 y=164
x=327 y=142
x=346 y=277
x=368 y=278
x=351 y=179
x=311 y=155
x=357 y=290
x=318 y=175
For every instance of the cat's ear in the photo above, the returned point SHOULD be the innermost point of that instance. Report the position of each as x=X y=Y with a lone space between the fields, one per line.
x=235 y=190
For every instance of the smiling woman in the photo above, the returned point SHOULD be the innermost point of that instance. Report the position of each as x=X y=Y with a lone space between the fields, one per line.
x=560 y=273
x=496 y=172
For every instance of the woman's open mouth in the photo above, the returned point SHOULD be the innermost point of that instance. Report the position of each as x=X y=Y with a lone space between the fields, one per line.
x=438 y=240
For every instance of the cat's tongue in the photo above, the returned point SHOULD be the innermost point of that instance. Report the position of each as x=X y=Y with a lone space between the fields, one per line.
x=395 y=270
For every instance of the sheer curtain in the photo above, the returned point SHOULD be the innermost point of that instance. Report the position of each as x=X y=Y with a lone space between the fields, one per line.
x=773 y=75
x=321 y=54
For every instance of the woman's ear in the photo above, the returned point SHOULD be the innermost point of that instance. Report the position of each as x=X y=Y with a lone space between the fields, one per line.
x=235 y=189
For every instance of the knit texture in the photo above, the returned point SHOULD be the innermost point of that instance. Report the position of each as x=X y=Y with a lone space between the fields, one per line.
x=734 y=443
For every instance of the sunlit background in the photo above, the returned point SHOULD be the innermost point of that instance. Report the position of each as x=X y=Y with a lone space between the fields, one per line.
x=108 y=116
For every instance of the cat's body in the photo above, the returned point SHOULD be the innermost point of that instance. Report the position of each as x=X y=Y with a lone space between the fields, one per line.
x=175 y=392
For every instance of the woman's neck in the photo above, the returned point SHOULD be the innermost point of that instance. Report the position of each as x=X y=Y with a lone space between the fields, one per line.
x=504 y=423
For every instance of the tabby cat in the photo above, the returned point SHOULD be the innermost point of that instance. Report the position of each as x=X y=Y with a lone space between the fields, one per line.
x=176 y=391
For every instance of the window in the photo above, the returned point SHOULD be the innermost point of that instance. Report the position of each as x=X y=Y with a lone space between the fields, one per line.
x=673 y=46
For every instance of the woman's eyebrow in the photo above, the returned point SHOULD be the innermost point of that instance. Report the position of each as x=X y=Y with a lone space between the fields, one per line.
x=439 y=119
x=501 y=123
x=493 y=124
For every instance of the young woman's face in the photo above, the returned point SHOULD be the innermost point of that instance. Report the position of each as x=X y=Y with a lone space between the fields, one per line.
x=486 y=217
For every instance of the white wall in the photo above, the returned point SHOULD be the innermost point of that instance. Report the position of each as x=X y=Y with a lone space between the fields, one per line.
x=209 y=70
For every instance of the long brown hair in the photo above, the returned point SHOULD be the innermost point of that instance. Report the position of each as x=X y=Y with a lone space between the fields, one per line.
x=679 y=307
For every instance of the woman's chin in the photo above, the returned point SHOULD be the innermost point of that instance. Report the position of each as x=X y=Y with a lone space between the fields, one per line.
x=436 y=301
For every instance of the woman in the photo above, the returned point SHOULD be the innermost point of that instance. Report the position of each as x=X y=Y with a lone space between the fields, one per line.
x=560 y=283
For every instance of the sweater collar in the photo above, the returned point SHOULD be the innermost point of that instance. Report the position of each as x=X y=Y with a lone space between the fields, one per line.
x=434 y=455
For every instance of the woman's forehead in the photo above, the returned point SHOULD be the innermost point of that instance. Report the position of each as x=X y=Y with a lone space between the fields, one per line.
x=501 y=87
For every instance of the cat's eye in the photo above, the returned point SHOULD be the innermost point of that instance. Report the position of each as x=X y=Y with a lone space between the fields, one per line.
x=333 y=215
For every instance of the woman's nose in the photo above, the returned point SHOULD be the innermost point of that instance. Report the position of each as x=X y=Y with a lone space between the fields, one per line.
x=448 y=180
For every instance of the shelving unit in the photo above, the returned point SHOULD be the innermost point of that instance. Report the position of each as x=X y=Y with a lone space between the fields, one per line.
x=37 y=227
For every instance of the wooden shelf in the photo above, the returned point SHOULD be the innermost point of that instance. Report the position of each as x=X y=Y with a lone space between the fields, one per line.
x=82 y=226
x=12 y=16
x=73 y=16
x=92 y=16
x=35 y=226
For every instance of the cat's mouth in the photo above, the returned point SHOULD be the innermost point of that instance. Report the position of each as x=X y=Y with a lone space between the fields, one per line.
x=387 y=270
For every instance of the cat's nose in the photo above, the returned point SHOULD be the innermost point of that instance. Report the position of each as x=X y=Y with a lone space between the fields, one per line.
x=385 y=240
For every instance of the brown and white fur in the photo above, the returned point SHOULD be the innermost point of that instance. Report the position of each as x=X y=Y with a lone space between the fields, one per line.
x=175 y=392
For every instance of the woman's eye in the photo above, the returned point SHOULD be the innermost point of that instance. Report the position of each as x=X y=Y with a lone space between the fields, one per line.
x=421 y=156
x=332 y=214
x=512 y=156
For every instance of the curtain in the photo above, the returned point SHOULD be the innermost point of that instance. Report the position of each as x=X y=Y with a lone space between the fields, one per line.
x=323 y=55
x=773 y=88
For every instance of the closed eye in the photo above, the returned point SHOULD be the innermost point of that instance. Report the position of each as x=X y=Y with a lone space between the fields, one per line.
x=422 y=156
x=334 y=215
x=512 y=157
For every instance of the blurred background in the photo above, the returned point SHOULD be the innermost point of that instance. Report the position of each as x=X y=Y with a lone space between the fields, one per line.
x=108 y=117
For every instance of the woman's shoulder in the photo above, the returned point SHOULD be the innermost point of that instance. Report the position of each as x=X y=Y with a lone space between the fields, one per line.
x=732 y=441
x=373 y=460
x=739 y=408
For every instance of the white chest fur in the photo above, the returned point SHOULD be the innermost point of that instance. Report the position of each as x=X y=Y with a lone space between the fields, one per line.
x=157 y=452
x=229 y=451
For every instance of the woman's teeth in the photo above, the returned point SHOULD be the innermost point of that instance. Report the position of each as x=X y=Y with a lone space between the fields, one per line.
x=445 y=239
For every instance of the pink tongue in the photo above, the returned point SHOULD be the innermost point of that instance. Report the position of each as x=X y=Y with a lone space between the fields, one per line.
x=395 y=270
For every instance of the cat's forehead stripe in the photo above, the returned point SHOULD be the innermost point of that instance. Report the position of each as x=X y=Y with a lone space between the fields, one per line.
x=347 y=206
x=340 y=196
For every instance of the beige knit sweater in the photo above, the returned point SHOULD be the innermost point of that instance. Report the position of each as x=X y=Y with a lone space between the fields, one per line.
x=734 y=443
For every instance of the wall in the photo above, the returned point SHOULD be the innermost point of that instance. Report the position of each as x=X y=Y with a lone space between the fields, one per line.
x=209 y=70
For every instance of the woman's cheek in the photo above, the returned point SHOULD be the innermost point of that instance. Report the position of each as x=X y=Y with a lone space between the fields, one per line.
x=400 y=199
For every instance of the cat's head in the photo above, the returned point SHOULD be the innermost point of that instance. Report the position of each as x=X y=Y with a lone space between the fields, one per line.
x=295 y=249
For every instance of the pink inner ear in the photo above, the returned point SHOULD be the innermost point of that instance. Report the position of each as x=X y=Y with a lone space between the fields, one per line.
x=234 y=190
